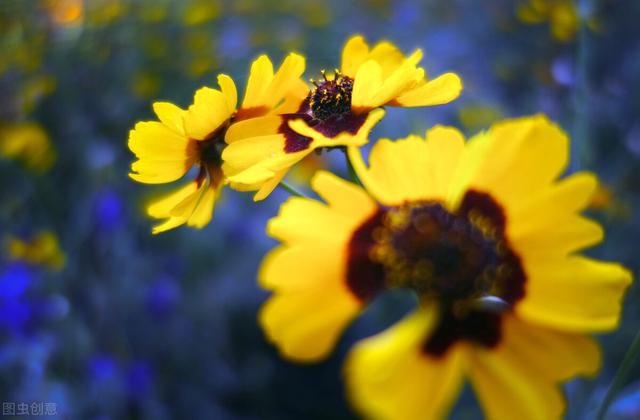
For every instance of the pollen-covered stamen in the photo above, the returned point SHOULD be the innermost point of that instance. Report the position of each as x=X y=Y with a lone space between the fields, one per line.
x=326 y=109
x=331 y=96
x=461 y=260
x=437 y=253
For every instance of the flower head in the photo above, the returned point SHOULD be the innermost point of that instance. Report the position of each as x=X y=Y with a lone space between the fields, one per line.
x=42 y=249
x=338 y=110
x=167 y=149
x=562 y=15
x=486 y=236
x=29 y=144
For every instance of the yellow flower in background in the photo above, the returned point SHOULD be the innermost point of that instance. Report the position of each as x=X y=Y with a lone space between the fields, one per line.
x=43 y=249
x=201 y=11
x=167 y=149
x=29 y=144
x=339 y=110
x=476 y=116
x=65 y=12
x=562 y=16
x=487 y=237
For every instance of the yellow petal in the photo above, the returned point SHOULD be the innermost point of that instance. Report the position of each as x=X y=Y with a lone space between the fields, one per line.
x=255 y=176
x=344 y=138
x=312 y=303
x=256 y=160
x=510 y=389
x=574 y=294
x=366 y=84
x=295 y=268
x=260 y=77
x=287 y=76
x=156 y=140
x=557 y=355
x=519 y=378
x=388 y=376
x=267 y=188
x=343 y=197
x=203 y=211
x=354 y=53
x=518 y=149
x=163 y=207
x=539 y=212
x=306 y=326
x=293 y=99
x=399 y=81
x=440 y=90
x=154 y=171
x=170 y=223
x=253 y=127
x=170 y=115
x=571 y=233
x=413 y=168
x=229 y=91
x=244 y=153
x=208 y=113
x=292 y=224
x=548 y=224
x=388 y=56
x=473 y=157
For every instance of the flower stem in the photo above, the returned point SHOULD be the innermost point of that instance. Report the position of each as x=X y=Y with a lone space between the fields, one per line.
x=621 y=375
x=291 y=190
x=350 y=169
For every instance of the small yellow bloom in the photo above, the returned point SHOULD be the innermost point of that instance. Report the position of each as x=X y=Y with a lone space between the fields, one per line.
x=475 y=117
x=43 y=249
x=486 y=236
x=65 y=12
x=29 y=144
x=167 y=149
x=201 y=11
x=339 y=110
x=606 y=200
x=562 y=16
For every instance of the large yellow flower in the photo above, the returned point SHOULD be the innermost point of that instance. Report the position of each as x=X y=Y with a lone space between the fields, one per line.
x=339 y=110
x=486 y=235
x=169 y=148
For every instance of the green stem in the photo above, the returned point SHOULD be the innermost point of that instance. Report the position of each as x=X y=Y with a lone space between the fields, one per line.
x=621 y=376
x=291 y=190
x=352 y=172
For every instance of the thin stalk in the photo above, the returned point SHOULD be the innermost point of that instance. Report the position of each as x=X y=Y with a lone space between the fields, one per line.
x=291 y=190
x=580 y=133
x=350 y=169
x=621 y=376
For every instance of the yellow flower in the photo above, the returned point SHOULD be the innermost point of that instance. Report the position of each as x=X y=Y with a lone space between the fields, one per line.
x=339 y=110
x=43 y=249
x=169 y=148
x=562 y=16
x=486 y=235
x=28 y=143
x=65 y=12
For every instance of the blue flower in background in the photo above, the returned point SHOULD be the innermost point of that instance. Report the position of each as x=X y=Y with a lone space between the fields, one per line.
x=109 y=209
x=15 y=308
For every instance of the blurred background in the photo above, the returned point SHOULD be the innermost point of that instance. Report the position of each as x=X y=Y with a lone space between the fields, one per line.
x=101 y=320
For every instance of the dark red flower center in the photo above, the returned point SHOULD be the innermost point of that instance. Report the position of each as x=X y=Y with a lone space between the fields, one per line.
x=331 y=97
x=461 y=260
x=210 y=153
x=327 y=109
